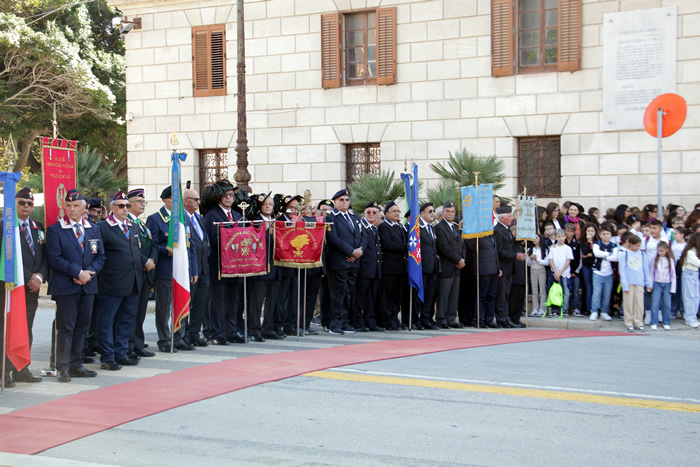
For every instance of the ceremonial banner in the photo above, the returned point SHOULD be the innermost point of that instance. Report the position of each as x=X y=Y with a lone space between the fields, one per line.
x=12 y=272
x=415 y=268
x=59 y=173
x=177 y=243
x=526 y=214
x=243 y=251
x=477 y=209
x=299 y=244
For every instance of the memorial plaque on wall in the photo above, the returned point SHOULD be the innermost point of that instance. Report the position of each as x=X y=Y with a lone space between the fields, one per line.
x=639 y=50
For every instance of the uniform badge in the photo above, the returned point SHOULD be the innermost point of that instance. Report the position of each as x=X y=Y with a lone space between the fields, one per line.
x=93 y=245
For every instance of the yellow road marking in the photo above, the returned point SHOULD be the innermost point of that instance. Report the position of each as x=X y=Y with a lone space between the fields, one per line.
x=508 y=391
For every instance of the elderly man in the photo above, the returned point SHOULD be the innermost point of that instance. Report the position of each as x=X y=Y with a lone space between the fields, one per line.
x=423 y=311
x=75 y=253
x=507 y=255
x=452 y=252
x=119 y=284
x=364 y=300
x=394 y=252
x=199 y=291
x=149 y=256
x=286 y=317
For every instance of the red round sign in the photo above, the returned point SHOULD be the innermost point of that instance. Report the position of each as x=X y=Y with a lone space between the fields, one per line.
x=675 y=111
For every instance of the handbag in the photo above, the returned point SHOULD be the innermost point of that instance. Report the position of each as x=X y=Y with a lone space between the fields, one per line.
x=555 y=297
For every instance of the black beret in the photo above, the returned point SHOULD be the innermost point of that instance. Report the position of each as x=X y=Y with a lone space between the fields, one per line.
x=119 y=195
x=448 y=204
x=25 y=193
x=372 y=204
x=136 y=192
x=167 y=193
x=504 y=210
x=407 y=215
x=325 y=202
x=74 y=195
x=340 y=193
x=425 y=205
x=389 y=205
x=95 y=202
x=288 y=199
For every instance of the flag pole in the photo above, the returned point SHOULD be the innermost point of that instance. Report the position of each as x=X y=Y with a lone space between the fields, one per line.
x=245 y=309
x=526 y=288
x=478 y=280
x=303 y=330
x=4 y=337
x=298 y=293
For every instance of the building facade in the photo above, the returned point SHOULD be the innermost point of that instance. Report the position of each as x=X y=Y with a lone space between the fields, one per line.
x=336 y=88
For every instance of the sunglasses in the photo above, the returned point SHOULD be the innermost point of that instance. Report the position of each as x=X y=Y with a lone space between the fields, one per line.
x=196 y=200
x=123 y=205
x=140 y=201
x=25 y=203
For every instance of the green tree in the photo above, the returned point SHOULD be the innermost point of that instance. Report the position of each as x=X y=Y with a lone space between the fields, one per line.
x=380 y=188
x=462 y=166
x=442 y=192
x=95 y=177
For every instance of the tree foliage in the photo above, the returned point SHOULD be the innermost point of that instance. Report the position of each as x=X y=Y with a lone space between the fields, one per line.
x=462 y=166
x=94 y=177
x=442 y=192
x=380 y=188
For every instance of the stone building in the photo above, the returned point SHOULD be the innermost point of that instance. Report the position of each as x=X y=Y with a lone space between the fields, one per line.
x=556 y=88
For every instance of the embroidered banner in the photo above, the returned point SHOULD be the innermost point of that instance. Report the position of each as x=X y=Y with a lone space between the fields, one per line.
x=299 y=244
x=243 y=251
x=477 y=208
x=526 y=215
x=58 y=162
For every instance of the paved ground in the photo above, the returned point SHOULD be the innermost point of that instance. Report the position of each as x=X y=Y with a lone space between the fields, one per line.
x=540 y=403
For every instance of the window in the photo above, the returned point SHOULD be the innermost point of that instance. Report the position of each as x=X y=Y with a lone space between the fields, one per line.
x=531 y=36
x=213 y=166
x=209 y=60
x=362 y=159
x=358 y=48
x=539 y=166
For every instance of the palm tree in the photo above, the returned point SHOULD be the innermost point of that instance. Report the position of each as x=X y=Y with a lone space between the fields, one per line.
x=95 y=176
x=445 y=190
x=380 y=188
x=462 y=165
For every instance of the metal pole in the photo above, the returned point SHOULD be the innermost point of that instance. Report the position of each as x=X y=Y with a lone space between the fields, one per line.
x=410 y=308
x=172 y=327
x=245 y=309
x=298 y=292
x=4 y=339
x=303 y=330
x=526 y=289
x=242 y=176
x=478 y=286
x=659 y=132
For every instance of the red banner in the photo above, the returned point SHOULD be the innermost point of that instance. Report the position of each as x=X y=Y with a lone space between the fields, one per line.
x=243 y=251
x=299 y=244
x=59 y=166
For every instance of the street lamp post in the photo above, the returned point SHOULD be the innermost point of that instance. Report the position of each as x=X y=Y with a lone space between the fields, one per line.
x=242 y=176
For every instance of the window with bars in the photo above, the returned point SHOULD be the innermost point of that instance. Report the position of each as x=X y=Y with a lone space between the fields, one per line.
x=539 y=166
x=209 y=60
x=362 y=159
x=213 y=166
x=358 y=48
x=530 y=36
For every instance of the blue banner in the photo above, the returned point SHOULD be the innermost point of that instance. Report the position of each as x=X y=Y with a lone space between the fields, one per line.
x=9 y=220
x=415 y=269
x=177 y=193
x=477 y=209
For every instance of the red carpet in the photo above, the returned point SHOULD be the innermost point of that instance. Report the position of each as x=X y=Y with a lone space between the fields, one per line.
x=41 y=427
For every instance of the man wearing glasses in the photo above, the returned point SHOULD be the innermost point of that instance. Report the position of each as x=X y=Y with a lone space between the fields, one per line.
x=199 y=291
x=395 y=252
x=149 y=255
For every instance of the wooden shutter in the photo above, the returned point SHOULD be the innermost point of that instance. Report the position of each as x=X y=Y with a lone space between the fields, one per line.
x=386 y=45
x=331 y=55
x=502 y=38
x=569 y=35
x=209 y=60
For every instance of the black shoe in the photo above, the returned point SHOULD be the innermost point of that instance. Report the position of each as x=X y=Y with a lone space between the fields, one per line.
x=256 y=338
x=88 y=359
x=453 y=325
x=377 y=329
x=236 y=339
x=132 y=354
x=145 y=346
x=482 y=324
x=430 y=327
x=26 y=376
x=218 y=342
x=403 y=327
x=126 y=361
x=362 y=329
x=416 y=327
x=444 y=326
x=111 y=366
x=272 y=335
x=460 y=326
x=144 y=352
x=493 y=325
x=63 y=377
x=89 y=353
x=166 y=348
x=82 y=372
x=184 y=346
x=198 y=341
x=311 y=332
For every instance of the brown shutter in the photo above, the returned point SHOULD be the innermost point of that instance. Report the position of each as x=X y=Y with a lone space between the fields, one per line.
x=502 y=38
x=217 y=45
x=386 y=45
x=569 y=35
x=200 y=60
x=209 y=60
x=330 y=50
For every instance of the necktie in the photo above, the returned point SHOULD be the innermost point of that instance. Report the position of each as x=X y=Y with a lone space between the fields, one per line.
x=228 y=213
x=125 y=229
x=80 y=235
x=347 y=217
x=195 y=224
x=28 y=236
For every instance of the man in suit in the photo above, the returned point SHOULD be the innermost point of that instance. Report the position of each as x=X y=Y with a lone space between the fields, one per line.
x=199 y=291
x=346 y=243
x=486 y=267
x=36 y=272
x=313 y=278
x=364 y=300
x=286 y=317
x=119 y=283
x=224 y=292
x=159 y=225
x=423 y=311
x=507 y=256
x=450 y=248
x=149 y=256
x=394 y=242
x=75 y=253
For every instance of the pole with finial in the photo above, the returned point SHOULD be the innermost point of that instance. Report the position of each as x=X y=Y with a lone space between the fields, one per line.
x=55 y=122
x=478 y=281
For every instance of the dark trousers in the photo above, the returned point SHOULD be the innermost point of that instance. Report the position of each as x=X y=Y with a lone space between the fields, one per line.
x=199 y=304
x=72 y=320
x=262 y=294
x=286 y=316
x=467 y=299
x=502 y=294
x=312 y=280
x=448 y=295
x=364 y=302
x=325 y=301
x=488 y=288
x=223 y=298
x=341 y=284
x=138 y=337
x=116 y=317
x=423 y=311
x=164 y=300
x=393 y=284
x=516 y=302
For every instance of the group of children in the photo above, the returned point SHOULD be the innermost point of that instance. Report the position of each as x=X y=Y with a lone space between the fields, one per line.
x=648 y=268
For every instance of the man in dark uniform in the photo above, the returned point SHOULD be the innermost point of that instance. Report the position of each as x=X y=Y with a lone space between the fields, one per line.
x=312 y=278
x=75 y=253
x=364 y=300
x=149 y=256
x=159 y=225
x=507 y=255
x=119 y=284
x=36 y=272
x=323 y=208
x=450 y=248
x=423 y=311
x=95 y=206
x=394 y=252
x=286 y=319
x=346 y=242
x=199 y=291
x=223 y=296
x=485 y=265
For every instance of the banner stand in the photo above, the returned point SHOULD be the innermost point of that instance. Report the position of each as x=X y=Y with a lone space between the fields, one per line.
x=4 y=339
x=51 y=370
x=298 y=292
x=172 y=329
x=303 y=330
x=245 y=309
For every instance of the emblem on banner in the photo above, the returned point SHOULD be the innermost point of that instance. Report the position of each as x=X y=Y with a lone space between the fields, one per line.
x=299 y=242
x=467 y=201
x=61 y=193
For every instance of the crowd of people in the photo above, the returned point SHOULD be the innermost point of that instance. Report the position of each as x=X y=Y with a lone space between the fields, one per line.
x=102 y=265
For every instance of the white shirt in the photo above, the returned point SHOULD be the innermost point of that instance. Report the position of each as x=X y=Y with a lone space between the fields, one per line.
x=558 y=254
x=605 y=266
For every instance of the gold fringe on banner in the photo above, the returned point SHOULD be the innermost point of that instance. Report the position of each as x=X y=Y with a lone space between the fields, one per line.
x=244 y=275
x=286 y=264
x=478 y=235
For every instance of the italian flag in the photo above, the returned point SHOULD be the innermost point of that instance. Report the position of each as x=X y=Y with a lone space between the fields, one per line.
x=181 y=270
x=16 y=309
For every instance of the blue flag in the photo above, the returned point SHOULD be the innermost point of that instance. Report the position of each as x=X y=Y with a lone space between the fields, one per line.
x=477 y=209
x=415 y=269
